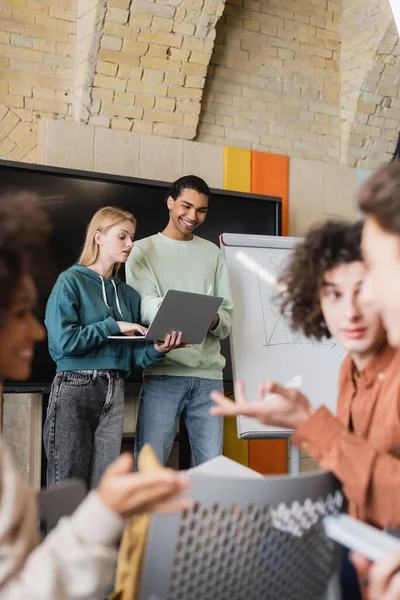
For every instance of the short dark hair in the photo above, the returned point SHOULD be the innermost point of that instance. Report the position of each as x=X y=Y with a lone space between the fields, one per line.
x=191 y=182
x=379 y=197
x=23 y=243
x=324 y=247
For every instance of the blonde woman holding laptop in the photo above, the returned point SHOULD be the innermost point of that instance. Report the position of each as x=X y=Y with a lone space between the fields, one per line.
x=89 y=303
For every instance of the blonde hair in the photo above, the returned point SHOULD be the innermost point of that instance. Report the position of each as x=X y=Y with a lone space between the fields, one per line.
x=102 y=221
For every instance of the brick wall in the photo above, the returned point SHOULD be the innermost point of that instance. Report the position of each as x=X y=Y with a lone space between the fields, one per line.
x=314 y=79
x=273 y=83
x=37 y=41
x=370 y=70
x=151 y=63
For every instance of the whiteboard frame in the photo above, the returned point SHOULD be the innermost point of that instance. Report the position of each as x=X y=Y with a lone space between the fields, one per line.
x=259 y=241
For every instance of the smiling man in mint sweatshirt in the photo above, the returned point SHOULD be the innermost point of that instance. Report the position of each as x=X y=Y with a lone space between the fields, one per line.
x=177 y=259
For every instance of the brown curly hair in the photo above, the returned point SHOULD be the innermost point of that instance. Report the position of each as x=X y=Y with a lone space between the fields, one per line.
x=379 y=197
x=324 y=247
x=24 y=228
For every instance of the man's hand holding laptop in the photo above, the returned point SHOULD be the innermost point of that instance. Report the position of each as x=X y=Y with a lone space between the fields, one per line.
x=173 y=341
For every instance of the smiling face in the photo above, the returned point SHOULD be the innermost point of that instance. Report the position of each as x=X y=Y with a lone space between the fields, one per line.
x=350 y=316
x=187 y=212
x=19 y=333
x=116 y=243
x=381 y=251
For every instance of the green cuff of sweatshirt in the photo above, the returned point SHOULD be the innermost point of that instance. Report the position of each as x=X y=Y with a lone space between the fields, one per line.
x=155 y=354
x=217 y=331
x=111 y=327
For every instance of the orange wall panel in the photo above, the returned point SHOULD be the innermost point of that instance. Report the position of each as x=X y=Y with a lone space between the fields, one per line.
x=270 y=176
x=269 y=457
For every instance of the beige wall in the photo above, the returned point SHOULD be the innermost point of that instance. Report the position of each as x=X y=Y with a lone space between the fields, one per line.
x=319 y=191
x=77 y=146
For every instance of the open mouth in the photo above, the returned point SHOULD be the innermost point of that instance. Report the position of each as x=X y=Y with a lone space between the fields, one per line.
x=188 y=224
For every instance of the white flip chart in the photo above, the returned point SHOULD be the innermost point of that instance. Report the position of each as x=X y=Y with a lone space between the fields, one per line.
x=263 y=346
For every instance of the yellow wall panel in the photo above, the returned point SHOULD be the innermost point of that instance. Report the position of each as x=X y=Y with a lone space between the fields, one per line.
x=237 y=169
x=234 y=448
x=237 y=177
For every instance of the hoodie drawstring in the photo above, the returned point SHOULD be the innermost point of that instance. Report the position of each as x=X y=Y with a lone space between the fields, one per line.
x=116 y=297
x=104 y=291
x=103 y=287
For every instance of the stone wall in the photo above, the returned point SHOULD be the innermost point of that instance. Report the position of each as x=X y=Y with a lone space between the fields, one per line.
x=37 y=44
x=370 y=70
x=309 y=79
x=145 y=63
x=273 y=83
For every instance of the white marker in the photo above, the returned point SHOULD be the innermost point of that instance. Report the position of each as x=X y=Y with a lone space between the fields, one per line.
x=209 y=290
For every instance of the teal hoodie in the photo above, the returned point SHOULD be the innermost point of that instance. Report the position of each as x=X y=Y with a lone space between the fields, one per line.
x=82 y=311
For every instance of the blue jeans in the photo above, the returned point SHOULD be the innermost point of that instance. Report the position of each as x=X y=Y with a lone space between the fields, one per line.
x=84 y=423
x=162 y=400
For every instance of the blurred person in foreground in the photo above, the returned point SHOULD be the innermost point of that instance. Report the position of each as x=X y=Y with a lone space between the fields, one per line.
x=77 y=559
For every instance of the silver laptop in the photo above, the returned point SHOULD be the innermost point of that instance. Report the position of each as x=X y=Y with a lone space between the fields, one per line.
x=180 y=311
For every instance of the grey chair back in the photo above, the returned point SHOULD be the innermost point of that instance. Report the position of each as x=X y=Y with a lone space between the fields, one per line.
x=59 y=501
x=245 y=539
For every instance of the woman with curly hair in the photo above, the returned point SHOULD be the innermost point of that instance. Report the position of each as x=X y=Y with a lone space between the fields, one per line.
x=77 y=559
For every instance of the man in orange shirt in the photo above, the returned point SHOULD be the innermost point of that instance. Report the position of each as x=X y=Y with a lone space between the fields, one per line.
x=380 y=201
x=324 y=296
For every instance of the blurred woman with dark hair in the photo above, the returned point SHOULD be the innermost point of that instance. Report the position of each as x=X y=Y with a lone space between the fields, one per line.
x=77 y=559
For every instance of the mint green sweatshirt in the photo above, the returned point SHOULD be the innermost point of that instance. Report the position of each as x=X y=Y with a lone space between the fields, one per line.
x=157 y=264
x=82 y=311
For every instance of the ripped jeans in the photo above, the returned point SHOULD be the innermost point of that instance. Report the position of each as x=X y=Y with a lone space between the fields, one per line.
x=84 y=423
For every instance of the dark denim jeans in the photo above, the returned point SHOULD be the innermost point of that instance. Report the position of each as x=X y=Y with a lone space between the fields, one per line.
x=84 y=424
x=163 y=398
x=349 y=584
